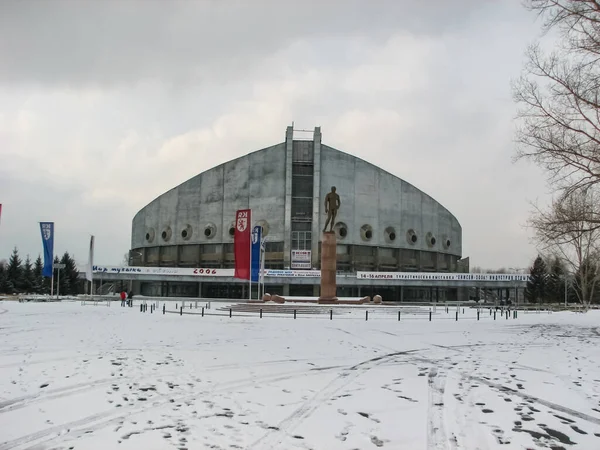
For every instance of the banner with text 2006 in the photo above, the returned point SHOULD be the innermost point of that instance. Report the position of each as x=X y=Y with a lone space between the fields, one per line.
x=241 y=243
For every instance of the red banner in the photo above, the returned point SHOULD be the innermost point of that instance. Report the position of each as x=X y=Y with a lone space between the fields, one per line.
x=241 y=243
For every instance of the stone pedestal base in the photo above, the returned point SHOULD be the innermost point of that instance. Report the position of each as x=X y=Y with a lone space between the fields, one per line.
x=328 y=268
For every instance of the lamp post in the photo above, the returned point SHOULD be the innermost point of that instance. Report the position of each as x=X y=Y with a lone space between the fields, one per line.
x=131 y=252
x=58 y=266
x=566 y=289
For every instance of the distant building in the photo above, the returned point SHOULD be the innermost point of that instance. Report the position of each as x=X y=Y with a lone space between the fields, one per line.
x=384 y=224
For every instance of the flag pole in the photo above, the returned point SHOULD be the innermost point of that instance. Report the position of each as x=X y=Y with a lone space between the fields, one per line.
x=262 y=269
x=250 y=266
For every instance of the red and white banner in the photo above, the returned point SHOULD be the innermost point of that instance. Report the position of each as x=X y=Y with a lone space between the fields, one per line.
x=241 y=243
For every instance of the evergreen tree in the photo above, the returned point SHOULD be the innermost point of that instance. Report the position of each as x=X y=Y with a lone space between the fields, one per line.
x=28 y=276
x=38 y=279
x=4 y=287
x=536 y=288
x=556 y=281
x=15 y=272
x=69 y=276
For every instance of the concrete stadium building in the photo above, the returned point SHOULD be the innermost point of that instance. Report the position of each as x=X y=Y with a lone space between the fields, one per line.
x=384 y=225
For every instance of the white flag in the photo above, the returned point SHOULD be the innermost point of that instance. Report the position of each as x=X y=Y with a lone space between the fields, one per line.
x=89 y=272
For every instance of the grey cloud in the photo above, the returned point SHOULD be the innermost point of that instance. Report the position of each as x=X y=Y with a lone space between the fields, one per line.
x=112 y=43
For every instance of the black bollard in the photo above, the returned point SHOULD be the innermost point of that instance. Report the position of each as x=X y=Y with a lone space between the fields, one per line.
x=294 y=314
x=203 y=311
x=164 y=308
x=190 y=305
x=175 y=305
x=494 y=315
x=490 y=311
x=506 y=315
x=446 y=310
x=430 y=316
x=229 y=312
x=366 y=315
x=398 y=316
x=261 y=313
x=151 y=309
x=477 y=314
x=141 y=308
x=331 y=314
x=181 y=311
x=463 y=310
x=456 y=315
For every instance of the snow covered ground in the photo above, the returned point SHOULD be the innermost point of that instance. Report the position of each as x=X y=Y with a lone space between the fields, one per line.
x=97 y=377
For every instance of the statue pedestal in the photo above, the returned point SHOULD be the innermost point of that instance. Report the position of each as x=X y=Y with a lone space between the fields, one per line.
x=328 y=268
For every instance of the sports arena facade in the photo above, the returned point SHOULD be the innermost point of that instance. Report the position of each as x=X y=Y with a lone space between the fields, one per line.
x=384 y=225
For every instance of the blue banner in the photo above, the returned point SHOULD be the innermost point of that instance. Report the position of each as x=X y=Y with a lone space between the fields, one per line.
x=47 y=229
x=255 y=263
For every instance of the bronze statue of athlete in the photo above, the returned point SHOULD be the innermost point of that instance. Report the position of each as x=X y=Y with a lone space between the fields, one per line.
x=332 y=204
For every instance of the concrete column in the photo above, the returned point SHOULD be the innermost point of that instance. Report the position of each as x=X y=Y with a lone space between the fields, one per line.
x=287 y=233
x=328 y=268
x=317 y=200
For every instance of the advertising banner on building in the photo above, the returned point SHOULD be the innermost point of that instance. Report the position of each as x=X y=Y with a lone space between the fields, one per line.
x=180 y=271
x=301 y=259
x=241 y=243
x=443 y=276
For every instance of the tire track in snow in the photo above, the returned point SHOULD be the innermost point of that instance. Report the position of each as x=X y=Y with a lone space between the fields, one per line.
x=274 y=438
x=436 y=433
x=94 y=422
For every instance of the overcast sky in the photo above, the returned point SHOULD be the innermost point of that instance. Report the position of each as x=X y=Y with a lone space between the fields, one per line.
x=105 y=105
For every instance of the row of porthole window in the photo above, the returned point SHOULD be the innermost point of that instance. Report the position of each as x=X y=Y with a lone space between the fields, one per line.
x=210 y=231
x=390 y=235
x=341 y=230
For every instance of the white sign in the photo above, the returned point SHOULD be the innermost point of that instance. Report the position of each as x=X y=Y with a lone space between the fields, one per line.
x=427 y=276
x=292 y=273
x=301 y=259
x=190 y=271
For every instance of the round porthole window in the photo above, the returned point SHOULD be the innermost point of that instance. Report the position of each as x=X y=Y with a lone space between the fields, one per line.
x=390 y=234
x=210 y=231
x=186 y=233
x=341 y=230
x=445 y=242
x=430 y=239
x=411 y=237
x=149 y=235
x=166 y=234
x=366 y=232
x=265 y=227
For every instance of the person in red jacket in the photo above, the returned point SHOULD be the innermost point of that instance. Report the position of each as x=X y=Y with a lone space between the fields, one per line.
x=123 y=297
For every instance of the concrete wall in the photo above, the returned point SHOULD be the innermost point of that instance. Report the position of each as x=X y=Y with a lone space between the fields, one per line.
x=255 y=181
x=371 y=196
x=262 y=181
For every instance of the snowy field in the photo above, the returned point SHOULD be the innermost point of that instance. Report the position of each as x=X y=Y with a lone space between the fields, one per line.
x=98 y=377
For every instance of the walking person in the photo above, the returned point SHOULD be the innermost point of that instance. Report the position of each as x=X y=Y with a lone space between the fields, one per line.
x=123 y=296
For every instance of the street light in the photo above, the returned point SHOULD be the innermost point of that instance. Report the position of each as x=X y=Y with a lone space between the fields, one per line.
x=57 y=266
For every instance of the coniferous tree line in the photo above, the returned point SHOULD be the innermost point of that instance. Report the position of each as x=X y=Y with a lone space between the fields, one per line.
x=18 y=276
x=549 y=279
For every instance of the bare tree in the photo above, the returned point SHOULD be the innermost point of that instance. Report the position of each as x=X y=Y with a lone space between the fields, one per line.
x=559 y=98
x=564 y=231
